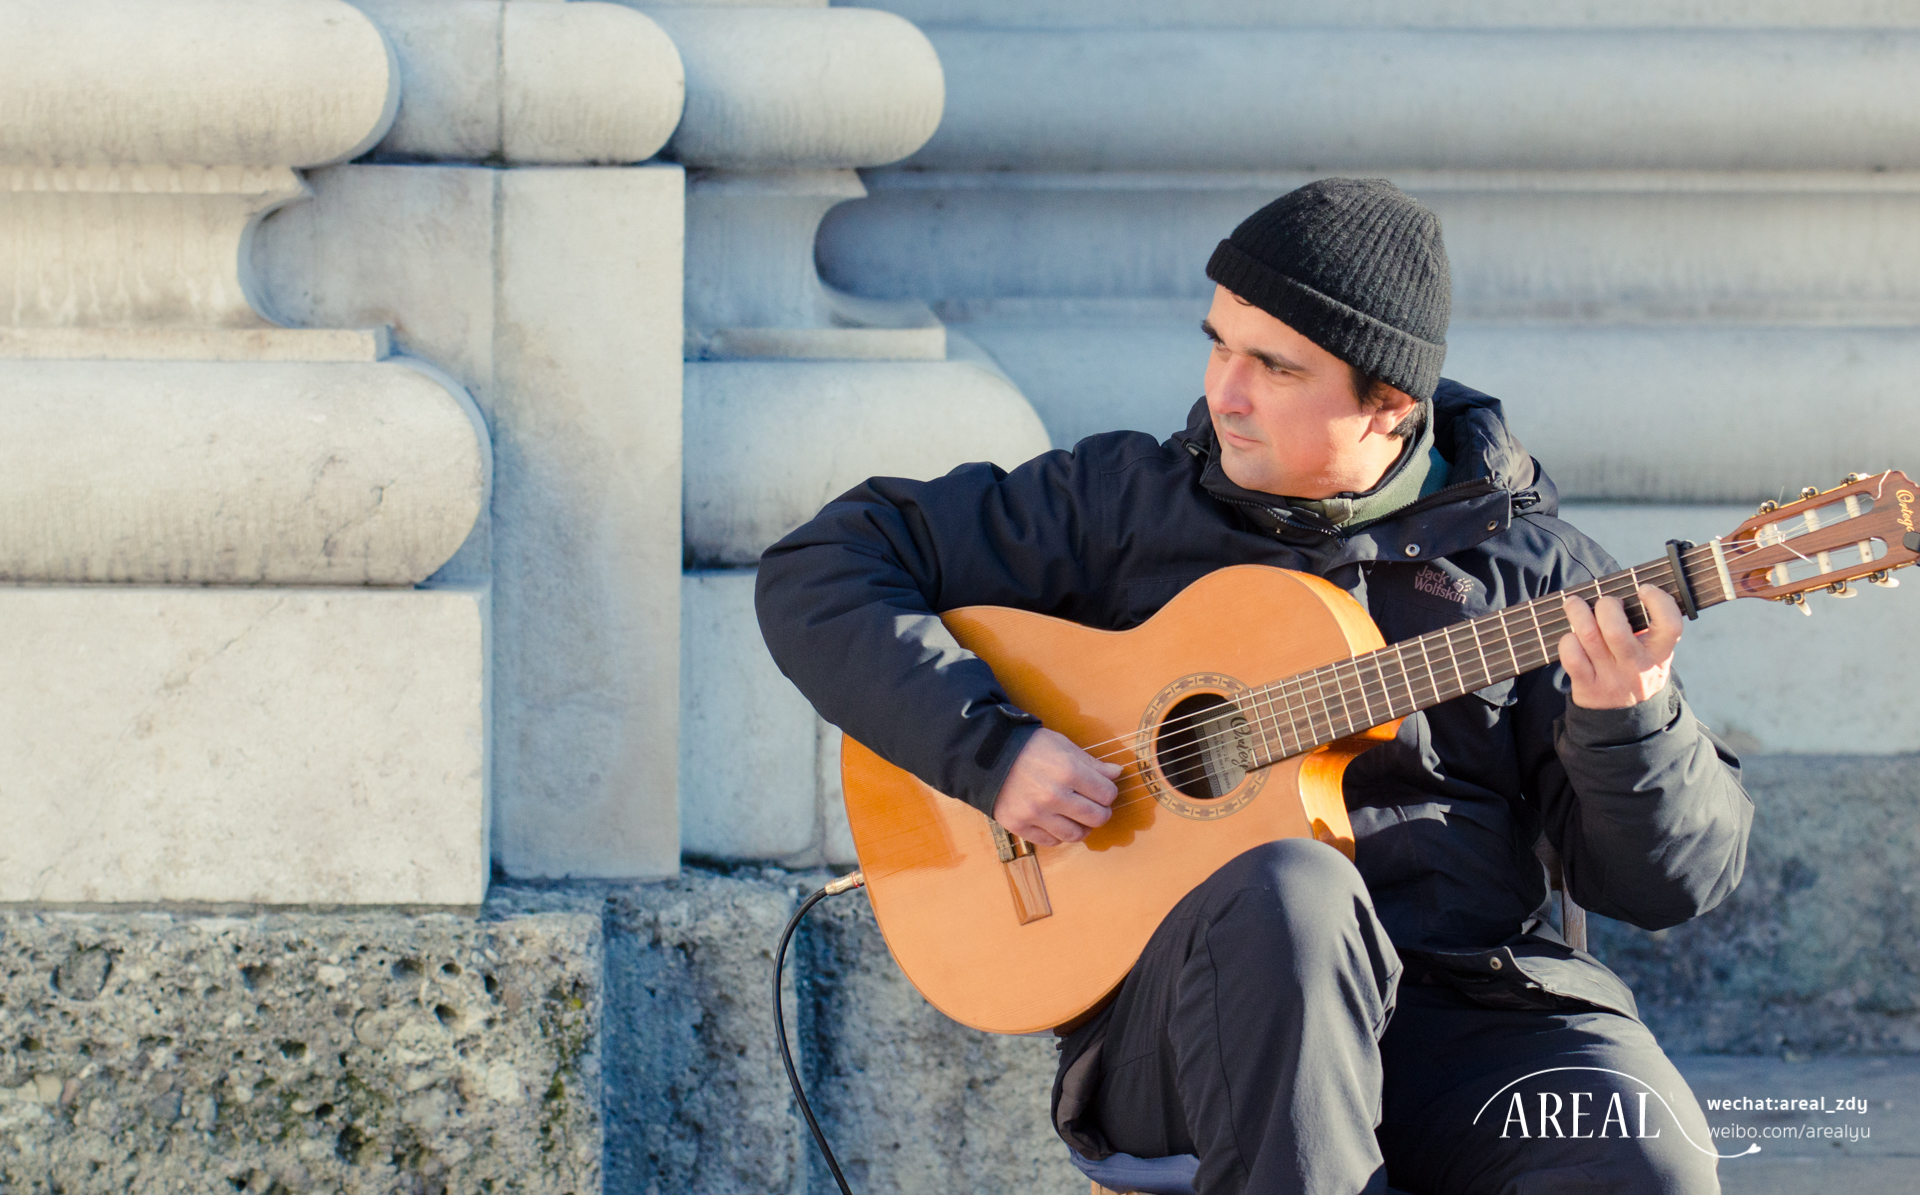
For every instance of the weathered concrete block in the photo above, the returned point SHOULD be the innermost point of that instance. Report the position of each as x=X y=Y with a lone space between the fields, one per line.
x=1816 y=950
x=913 y=1101
x=235 y=472
x=364 y=1054
x=698 y=1101
x=254 y=746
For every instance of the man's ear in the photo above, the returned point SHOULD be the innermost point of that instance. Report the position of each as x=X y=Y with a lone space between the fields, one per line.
x=1387 y=416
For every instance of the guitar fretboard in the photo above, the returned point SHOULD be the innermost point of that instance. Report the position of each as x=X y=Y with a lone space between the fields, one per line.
x=1312 y=709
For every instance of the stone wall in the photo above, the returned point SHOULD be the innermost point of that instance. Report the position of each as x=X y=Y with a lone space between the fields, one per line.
x=1815 y=951
x=698 y=1102
x=293 y=1052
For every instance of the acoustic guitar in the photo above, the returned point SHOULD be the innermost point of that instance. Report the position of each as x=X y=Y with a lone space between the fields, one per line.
x=1232 y=740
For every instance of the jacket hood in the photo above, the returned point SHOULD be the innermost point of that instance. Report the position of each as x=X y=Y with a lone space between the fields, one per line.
x=1489 y=473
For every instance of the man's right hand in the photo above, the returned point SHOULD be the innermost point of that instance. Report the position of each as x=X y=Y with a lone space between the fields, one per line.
x=1055 y=793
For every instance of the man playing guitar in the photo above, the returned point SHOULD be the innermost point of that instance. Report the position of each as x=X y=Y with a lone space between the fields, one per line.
x=1299 y=1022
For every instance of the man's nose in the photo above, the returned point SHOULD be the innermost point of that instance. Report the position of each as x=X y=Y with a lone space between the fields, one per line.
x=1231 y=381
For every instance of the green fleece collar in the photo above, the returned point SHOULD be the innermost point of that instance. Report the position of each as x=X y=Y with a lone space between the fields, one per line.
x=1420 y=471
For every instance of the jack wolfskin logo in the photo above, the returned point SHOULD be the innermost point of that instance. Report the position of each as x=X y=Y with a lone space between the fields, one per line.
x=1430 y=580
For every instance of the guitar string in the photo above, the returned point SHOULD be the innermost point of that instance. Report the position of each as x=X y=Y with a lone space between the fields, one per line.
x=1273 y=727
x=1622 y=585
x=1213 y=712
x=1625 y=582
x=1272 y=732
x=1206 y=715
x=1200 y=747
x=1690 y=559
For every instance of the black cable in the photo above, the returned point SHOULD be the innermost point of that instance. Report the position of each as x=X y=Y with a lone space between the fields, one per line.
x=844 y=884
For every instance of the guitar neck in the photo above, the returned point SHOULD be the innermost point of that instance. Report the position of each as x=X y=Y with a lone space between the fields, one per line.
x=1312 y=709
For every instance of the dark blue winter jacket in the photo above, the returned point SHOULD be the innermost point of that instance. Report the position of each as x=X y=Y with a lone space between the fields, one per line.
x=1644 y=805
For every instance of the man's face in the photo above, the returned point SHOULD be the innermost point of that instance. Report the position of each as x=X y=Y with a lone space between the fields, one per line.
x=1285 y=411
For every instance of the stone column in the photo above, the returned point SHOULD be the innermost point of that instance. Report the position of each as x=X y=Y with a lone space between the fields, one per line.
x=226 y=683
x=502 y=228
x=795 y=391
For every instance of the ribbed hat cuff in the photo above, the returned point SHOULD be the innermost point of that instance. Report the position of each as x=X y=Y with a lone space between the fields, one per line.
x=1377 y=349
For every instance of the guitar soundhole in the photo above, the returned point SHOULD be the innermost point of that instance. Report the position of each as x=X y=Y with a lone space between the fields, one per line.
x=1203 y=747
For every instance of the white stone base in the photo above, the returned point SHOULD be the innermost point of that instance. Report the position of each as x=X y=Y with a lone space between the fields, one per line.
x=257 y=746
x=759 y=770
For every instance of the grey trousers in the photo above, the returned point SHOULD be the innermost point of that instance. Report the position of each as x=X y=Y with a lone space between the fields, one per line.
x=1266 y=1029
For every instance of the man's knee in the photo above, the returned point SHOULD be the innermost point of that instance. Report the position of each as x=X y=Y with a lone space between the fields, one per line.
x=1290 y=893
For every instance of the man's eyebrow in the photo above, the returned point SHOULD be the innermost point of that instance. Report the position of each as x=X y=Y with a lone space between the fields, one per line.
x=1270 y=360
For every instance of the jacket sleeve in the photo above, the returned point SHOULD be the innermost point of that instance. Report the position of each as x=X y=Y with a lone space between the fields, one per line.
x=849 y=607
x=1643 y=804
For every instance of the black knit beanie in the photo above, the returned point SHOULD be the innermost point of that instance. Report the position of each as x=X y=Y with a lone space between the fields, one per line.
x=1354 y=265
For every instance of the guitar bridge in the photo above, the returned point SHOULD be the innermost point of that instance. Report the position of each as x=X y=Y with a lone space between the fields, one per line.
x=1024 y=881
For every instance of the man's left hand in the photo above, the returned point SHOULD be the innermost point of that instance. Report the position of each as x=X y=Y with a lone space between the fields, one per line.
x=1611 y=666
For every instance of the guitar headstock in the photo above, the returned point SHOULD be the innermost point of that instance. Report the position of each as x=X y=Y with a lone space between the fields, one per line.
x=1865 y=527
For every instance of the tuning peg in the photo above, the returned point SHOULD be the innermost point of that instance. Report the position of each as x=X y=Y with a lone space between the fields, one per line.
x=1768 y=507
x=1883 y=580
x=1799 y=600
x=1809 y=492
x=1841 y=589
x=1850 y=478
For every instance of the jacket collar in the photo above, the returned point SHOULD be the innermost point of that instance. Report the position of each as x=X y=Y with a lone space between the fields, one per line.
x=1490 y=478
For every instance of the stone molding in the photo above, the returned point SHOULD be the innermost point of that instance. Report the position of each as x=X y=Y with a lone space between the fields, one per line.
x=134 y=170
x=529 y=84
x=1616 y=246
x=170 y=82
x=256 y=473
x=801 y=88
x=127 y=246
x=753 y=289
x=768 y=443
x=1350 y=99
x=1415 y=14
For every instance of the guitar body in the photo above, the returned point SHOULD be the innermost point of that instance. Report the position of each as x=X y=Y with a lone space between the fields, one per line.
x=997 y=947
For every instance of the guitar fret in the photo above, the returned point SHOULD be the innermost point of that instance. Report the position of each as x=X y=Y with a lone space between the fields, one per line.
x=1506 y=638
x=1306 y=711
x=1273 y=715
x=1301 y=714
x=1320 y=679
x=1533 y=608
x=1433 y=685
x=1360 y=683
x=1480 y=649
x=1317 y=706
